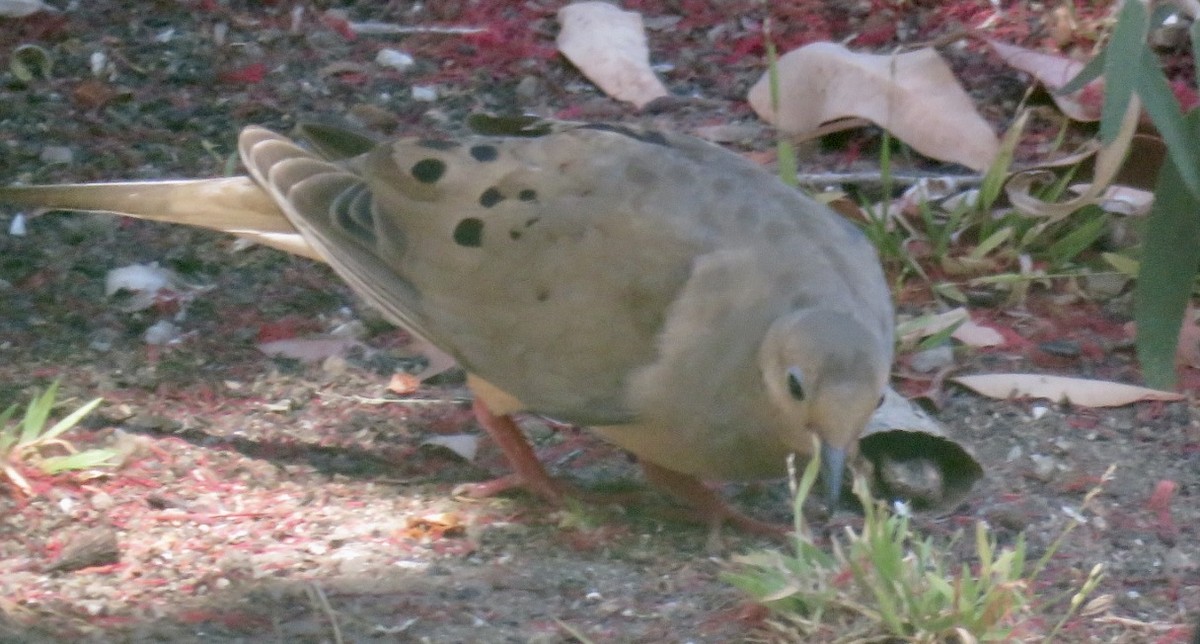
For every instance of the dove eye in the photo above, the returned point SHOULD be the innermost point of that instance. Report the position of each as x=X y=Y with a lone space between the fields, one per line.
x=795 y=383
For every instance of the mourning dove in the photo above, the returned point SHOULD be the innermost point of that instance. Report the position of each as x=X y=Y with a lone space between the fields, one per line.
x=675 y=297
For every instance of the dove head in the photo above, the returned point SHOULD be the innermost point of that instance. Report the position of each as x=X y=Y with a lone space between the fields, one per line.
x=824 y=373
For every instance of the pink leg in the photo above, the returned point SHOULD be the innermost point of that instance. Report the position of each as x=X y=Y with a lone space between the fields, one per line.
x=528 y=470
x=708 y=506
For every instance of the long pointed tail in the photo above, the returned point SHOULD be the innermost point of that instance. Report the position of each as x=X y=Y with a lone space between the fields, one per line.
x=233 y=205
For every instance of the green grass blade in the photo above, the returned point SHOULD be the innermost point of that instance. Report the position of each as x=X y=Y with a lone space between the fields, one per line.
x=36 y=414
x=71 y=419
x=992 y=242
x=997 y=173
x=8 y=434
x=1081 y=237
x=785 y=152
x=1194 y=35
x=1089 y=73
x=1160 y=103
x=1171 y=250
x=1120 y=78
x=81 y=461
x=1123 y=264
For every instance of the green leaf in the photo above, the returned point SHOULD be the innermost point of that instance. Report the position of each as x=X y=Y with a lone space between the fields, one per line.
x=941 y=337
x=8 y=434
x=991 y=243
x=36 y=414
x=1194 y=34
x=1120 y=78
x=81 y=461
x=1089 y=73
x=1164 y=111
x=1171 y=251
x=71 y=420
x=1081 y=237
x=997 y=173
x=1123 y=264
x=785 y=151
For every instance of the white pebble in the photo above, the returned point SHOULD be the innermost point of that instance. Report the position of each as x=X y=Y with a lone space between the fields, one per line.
x=394 y=58
x=424 y=93
x=160 y=333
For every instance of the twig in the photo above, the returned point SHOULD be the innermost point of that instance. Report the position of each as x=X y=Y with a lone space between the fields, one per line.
x=317 y=596
x=876 y=179
x=388 y=29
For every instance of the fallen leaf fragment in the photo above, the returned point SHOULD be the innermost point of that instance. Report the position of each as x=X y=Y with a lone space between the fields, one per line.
x=824 y=81
x=464 y=445
x=1077 y=391
x=434 y=526
x=968 y=331
x=403 y=383
x=609 y=46
x=143 y=282
x=1055 y=72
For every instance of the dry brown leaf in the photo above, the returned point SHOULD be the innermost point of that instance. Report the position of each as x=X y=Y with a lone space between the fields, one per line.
x=913 y=95
x=1109 y=161
x=1054 y=72
x=609 y=46
x=968 y=332
x=403 y=383
x=1077 y=391
x=464 y=445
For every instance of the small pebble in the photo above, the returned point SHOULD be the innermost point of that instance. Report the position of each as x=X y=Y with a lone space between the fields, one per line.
x=395 y=59
x=424 y=93
x=161 y=333
x=931 y=360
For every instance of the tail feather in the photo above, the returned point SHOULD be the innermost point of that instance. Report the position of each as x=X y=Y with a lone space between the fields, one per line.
x=234 y=205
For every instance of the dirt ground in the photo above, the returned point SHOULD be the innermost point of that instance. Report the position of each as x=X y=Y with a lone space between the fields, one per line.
x=265 y=498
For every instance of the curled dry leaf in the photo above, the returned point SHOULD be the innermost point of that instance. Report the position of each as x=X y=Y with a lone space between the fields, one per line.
x=1109 y=161
x=1055 y=72
x=906 y=454
x=824 y=81
x=1077 y=391
x=609 y=46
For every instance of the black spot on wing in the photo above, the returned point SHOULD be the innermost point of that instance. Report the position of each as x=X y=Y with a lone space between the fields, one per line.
x=523 y=126
x=484 y=153
x=469 y=233
x=645 y=136
x=490 y=197
x=428 y=170
x=528 y=194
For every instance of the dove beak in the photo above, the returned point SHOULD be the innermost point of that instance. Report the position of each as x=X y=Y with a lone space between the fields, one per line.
x=833 y=466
